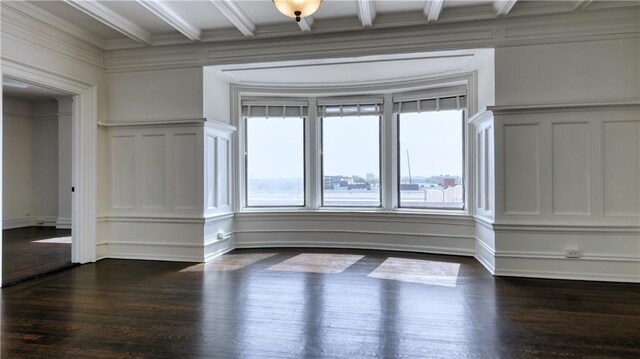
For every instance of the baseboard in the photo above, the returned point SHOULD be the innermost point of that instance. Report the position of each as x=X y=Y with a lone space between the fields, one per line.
x=356 y=245
x=173 y=252
x=31 y=221
x=18 y=222
x=543 y=274
x=63 y=223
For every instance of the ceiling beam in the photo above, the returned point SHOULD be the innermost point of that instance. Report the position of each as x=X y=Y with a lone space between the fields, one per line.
x=112 y=19
x=581 y=4
x=432 y=9
x=366 y=12
x=233 y=13
x=503 y=7
x=169 y=15
x=305 y=23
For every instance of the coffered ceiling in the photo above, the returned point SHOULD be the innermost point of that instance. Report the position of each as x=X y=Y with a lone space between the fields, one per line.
x=143 y=23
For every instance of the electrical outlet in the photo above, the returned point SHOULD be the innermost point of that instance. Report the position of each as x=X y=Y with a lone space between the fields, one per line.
x=572 y=253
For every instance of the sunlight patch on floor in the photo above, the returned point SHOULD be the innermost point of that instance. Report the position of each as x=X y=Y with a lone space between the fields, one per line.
x=418 y=271
x=64 y=240
x=229 y=262
x=317 y=263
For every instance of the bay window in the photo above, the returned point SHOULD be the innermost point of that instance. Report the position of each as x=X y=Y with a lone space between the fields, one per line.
x=348 y=152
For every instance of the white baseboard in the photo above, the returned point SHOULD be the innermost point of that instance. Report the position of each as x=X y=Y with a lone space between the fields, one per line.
x=18 y=222
x=63 y=223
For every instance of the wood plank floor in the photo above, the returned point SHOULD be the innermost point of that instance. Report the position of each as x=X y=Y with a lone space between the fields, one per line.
x=350 y=304
x=32 y=251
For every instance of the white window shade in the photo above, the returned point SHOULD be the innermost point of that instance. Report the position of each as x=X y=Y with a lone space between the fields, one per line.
x=349 y=106
x=277 y=108
x=452 y=98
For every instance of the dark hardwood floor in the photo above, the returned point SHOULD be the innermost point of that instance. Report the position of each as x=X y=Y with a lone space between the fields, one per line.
x=32 y=251
x=349 y=304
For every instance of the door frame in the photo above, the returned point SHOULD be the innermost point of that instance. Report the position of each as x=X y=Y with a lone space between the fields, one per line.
x=84 y=120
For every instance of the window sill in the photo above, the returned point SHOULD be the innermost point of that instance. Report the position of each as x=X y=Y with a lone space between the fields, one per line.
x=357 y=211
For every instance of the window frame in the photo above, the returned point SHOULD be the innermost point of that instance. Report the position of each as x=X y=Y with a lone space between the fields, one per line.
x=305 y=200
x=464 y=168
x=389 y=182
x=320 y=150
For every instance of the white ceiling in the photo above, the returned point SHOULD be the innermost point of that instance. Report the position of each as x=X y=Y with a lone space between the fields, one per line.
x=127 y=23
x=355 y=71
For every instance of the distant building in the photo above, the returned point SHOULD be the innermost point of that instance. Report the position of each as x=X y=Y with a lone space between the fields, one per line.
x=448 y=182
x=370 y=177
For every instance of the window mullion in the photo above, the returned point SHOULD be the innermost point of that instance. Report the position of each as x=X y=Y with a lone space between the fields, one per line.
x=389 y=149
x=312 y=156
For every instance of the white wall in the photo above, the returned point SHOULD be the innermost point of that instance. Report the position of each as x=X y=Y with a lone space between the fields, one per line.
x=17 y=166
x=215 y=94
x=590 y=71
x=155 y=95
x=31 y=163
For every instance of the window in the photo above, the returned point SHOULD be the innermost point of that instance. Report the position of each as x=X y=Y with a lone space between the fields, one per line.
x=351 y=161
x=430 y=159
x=275 y=162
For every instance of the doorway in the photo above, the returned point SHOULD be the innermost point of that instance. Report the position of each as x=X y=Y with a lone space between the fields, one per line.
x=37 y=172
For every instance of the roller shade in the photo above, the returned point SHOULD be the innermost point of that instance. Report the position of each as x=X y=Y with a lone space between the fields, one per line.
x=452 y=98
x=274 y=108
x=350 y=106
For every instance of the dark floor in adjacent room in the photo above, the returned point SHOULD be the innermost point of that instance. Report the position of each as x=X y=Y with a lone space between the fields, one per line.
x=32 y=251
x=307 y=304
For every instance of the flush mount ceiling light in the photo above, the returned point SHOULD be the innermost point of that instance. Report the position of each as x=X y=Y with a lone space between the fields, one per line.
x=297 y=8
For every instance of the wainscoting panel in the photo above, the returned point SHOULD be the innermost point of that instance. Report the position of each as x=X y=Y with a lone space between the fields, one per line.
x=153 y=174
x=571 y=172
x=521 y=168
x=123 y=171
x=621 y=154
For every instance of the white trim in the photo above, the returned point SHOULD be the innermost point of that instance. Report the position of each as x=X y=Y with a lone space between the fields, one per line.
x=236 y=16
x=366 y=12
x=357 y=245
x=578 y=106
x=306 y=23
x=626 y=278
x=63 y=223
x=168 y=14
x=503 y=7
x=112 y=19
x=84 y=159
x=28 y=9
x=432 y=9
x=17 y=222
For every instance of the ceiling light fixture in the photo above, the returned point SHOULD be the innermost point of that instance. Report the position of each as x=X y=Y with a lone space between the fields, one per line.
x=297 y=8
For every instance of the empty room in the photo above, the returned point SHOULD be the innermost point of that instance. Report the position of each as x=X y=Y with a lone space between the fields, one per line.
x=320 y=179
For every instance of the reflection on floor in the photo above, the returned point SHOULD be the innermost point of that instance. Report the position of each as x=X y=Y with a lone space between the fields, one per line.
x=229 y=262
x=32 y=251
x=418 y=271
x=146 y=309
x=317 y=263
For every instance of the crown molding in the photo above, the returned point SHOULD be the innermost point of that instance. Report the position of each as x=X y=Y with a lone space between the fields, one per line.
x=30 y=28
x=507 y=31
x=112 y=19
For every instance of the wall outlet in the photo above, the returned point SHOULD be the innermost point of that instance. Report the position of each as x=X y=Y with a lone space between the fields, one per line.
x=572 y=253
x=220 y=235
x=40 y=221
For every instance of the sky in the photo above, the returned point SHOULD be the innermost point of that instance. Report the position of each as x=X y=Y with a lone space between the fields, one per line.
x=351 y=145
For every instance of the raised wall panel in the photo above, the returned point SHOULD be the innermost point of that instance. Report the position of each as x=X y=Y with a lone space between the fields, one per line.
x=480 y=169
x=621 y=155
x=224 y=170
x=212 y=162
x=153 y=173
x=123 y=175
x=488 y=169
x=571 y=168
x=186 y=171
x=521 y=169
